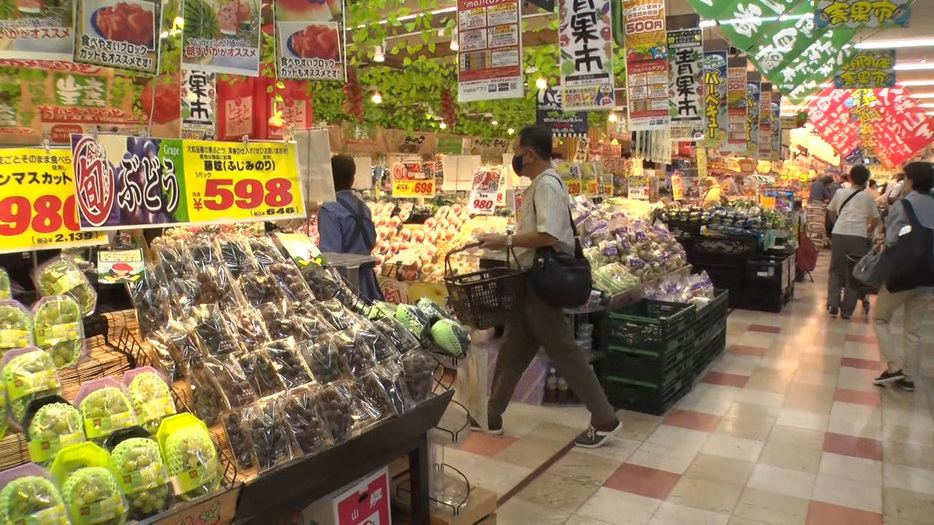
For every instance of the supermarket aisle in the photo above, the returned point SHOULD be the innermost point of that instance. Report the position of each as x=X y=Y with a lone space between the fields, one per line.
x=786 y=428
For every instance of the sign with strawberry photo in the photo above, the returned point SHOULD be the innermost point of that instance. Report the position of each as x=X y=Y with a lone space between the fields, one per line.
x=222 y=36
x=310 y=40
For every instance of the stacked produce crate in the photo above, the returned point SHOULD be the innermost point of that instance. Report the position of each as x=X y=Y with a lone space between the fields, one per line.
x=710 y=331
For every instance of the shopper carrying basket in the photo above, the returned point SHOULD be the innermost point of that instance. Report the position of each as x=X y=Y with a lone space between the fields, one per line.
x=544 y=241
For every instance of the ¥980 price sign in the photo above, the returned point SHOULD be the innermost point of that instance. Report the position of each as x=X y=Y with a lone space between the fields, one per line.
x=37 y=202
x=482 y=202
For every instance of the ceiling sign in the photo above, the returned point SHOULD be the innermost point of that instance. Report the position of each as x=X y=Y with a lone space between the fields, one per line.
x=803 y=75
x=829 y=114
x=867 y=69
x=862 y=13
x=646 y=64
x=585 y=33
x=685 y=60
x=905 y=128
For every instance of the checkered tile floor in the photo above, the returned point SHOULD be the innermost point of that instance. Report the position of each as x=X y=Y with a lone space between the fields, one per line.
x=784 y=428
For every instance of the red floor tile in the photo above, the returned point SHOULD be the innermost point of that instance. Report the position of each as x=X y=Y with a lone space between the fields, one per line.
x=643 y=481
x=856 y=447
x=866 y=364
x=692 y=420
x=868 y=339
x=717 y=378
x=764 y=328
x=485 y=445
x=873 y=399
x=747 y=350
x=820 y=513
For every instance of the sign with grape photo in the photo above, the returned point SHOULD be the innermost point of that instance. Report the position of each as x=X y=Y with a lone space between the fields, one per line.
x=120 y=34
x=37 y=29
x=310 y=40
x=222 y=36
x=122 y=181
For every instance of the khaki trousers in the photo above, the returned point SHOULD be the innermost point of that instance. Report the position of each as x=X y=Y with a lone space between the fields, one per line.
x=916 y=307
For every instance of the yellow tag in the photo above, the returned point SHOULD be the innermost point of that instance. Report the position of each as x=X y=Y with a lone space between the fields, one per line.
x=14 y=338
x=56 y=333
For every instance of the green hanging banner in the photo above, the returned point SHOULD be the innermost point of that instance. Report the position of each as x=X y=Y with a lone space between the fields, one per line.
x=868 y=69
x=803 y=75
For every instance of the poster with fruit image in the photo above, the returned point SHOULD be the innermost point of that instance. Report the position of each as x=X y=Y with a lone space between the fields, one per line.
x=310 y=39
x=222 y=36
x=120 y=34
x=37 y=29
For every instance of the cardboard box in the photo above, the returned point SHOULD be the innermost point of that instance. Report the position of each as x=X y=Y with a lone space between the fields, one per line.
x=364 y=502
x=480 y=507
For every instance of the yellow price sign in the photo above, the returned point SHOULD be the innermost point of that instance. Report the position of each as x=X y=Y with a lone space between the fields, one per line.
x=37 y=202
x=592 y=187
x=409 y=179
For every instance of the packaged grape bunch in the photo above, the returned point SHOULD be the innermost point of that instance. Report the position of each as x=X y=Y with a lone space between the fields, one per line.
x=151 y=396
x=385 y=386
x=28 y=374
x=160 y=343
x=190 y=456
x=205 y=397
x=3 y=410
x=356 y=350
x=265 y=251
x=262 y=373
x=291 y=282
x=173 y=258
x=216 y=286
x=15 y=326
x=59 y=329
x=184 y=346
x=310 y=325
x=323 y=358
x=271 y=437
x=338 y=315
x=334 y=405
x=279 y=321
x=51 y=424
x=246 y=323
x=60 y=276
x=209 y=323
x=383 y=347
x=185 y=293
x=285 y=358
x=201 y=253
x=6 y=289
x=28 y=495
x=398 y=335
x=89 y=488
x=260 y=288
x=231 y=381
x=136 y=462
x=241 y=444
x=151 y=299
x=105 y=408
x=418 y=372
x=235 y=253
x=308 y=427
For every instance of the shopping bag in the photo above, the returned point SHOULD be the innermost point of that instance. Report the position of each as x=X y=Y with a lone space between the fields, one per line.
x=872 y=269
x=471 y=385
x=806 y=257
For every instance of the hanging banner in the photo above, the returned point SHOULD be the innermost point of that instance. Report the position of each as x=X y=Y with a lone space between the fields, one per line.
x=753 y=95
x=120 y=34
x=411 y=179
x=829 y=113
x=310 y=40
x=37 y=29
x=736 y=111
x=804 y=74
x=549 y=113
x=37 y=202
x=715 y=98
x=905 y=127
x=489 y=36
x=123 y=181
x=862 y=13
x=784 y=39
x=867 y=69
x=222 y=36
x=585 y=34
x=776 y=108
x=646 y=64
x=685 y=61
x=199 y=93
x=765 y=122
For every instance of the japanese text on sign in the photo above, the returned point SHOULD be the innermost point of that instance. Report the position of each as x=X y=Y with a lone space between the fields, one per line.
x=646 y=64
x=412 y=179
x=46 y=32
x=765 y=122
x=121 y=35
x=736 y=112
x=490 y=50
x=752 y=117
x=549 y=112
x=235 y=50
x=37 y=202
x=867 y=69
x=685 y=55
x=585 y=37
x=198 y=110
x=862 y=13
x=715 y=98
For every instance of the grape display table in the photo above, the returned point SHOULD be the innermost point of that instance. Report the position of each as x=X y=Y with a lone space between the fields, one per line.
x=281 y=492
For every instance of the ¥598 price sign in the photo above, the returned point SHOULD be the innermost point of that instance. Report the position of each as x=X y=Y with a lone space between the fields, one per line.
x=37 y=202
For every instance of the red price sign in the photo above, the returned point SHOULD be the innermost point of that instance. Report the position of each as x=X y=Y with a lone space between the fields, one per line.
x=246 y=194
x=574 y=187
x=482 y=202
x=592 y=187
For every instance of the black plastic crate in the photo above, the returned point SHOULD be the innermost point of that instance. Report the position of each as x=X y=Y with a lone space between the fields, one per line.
x=646 y=366
x=706 y=334
x=706 y=354
x=715 y=309
x=645 y=397
x=662 y=351
x=649 y=325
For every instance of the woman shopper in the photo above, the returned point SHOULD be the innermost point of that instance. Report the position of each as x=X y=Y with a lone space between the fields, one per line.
x=854 y=215
x=902 y=353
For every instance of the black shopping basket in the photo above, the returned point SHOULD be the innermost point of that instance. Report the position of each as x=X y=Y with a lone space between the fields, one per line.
x=486 y=298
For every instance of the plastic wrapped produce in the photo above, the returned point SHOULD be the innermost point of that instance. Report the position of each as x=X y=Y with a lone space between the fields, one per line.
x=202 y=254
x=323 y=359
x=337 y=315
x=137 y=464
x=60 y=276
x=235 y=254
x=184 y=346
x=173 y=258
x=59 y=329
x=189 y=455
x=151 y=299
x=52 y=427
x=272 y=442
x=105 y=408
x=265 y=251
x=413 y=319
x=6 y=290
x=212 y=330
x=383 y=347
x=432 y=310
x=151 y=396
x=15 y=326
x=246 y=324
x=260 y=288
x=239 y=439
x=231 y=381
x=309 y=429
x=161 y=343
x=205 y=397
x=262 y=373
x=186 y=293
x=400 y=337
x=310 y=325
x=335 y=408
x=451 y=337
x=28 y=374
x=388 y=379
x=418 y=370
x=356 y=350
x=291 y=282
x=3 y=410
x=288 y=363
x=90 y=489
x=279 y=322
x=28 y=495
x=216 y=286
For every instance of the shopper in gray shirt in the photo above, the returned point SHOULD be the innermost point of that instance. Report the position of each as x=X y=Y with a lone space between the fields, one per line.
x=902 y=353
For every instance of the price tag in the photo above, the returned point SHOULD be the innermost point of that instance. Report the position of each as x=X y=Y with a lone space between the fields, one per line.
x=482 y=202
x=574 y=186
x=592 y=187
x=410 y=180
x=37 y=202
x=608 y=189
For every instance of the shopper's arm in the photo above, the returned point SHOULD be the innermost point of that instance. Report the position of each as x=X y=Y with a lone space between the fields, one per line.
x=531 y=240
x=894 y=223
x=833 y=207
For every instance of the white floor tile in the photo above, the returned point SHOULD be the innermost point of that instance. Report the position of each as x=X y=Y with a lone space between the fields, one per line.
x=619 y=508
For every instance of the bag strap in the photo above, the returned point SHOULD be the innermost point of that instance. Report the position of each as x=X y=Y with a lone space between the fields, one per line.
x=358 y=230
x=910 y=211
x=847 y=201
x=578 y=249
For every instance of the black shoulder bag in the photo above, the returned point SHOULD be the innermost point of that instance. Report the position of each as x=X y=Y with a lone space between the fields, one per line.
x=911 y=260
x=561 y=280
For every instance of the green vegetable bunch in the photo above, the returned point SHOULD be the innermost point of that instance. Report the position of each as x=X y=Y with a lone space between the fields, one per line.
x=28 y=376
x=59 y=330
x=94 y=489
x=62 y=277
x=27 y=496
x=138 y=462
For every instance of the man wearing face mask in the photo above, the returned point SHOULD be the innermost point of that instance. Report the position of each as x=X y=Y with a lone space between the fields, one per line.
x=544 y=221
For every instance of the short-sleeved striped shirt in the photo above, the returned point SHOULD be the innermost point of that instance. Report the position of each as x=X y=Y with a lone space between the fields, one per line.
x=550 y=214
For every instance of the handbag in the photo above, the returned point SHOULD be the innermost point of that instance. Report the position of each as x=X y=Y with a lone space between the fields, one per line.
x=560 y=279
x=872 y=269
x=912 y=260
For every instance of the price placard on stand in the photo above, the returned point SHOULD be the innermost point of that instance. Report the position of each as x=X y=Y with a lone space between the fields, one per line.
x=570 y=173
x=410 y=180
x=37 y=202
x=487 y=191
x=123 y=181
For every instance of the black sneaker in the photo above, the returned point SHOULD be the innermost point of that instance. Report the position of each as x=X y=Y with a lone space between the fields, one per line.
x=834 y=312
x=906 y=384
x=594 y=438
x=494 y=424
x=889 y=377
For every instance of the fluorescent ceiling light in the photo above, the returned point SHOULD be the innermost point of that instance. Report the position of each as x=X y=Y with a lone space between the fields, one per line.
x=926 y=105
x=909 y=83
x=707 y=23
x=890 y=44
x=922 y=95
x=914 y=66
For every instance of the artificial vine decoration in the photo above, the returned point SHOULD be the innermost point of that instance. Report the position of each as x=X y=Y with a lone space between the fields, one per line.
x=353 y=94
x=448 y=111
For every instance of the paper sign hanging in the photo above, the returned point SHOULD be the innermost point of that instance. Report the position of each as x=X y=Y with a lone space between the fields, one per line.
x=753 y=94
x=646 y=64
x=776 y=108
x=199 y=95
x=715 y=98
x=765 y=122
x=736 y=109
x=585 y=34
x=862 y=13
x=118 y=34
x=867 y=69
x=488 y=185
x=549 y=113
x=311 y=40
x=221 y=36
x=409 y=179
x=37 y=30
x=685 y=60
x=489 y=37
